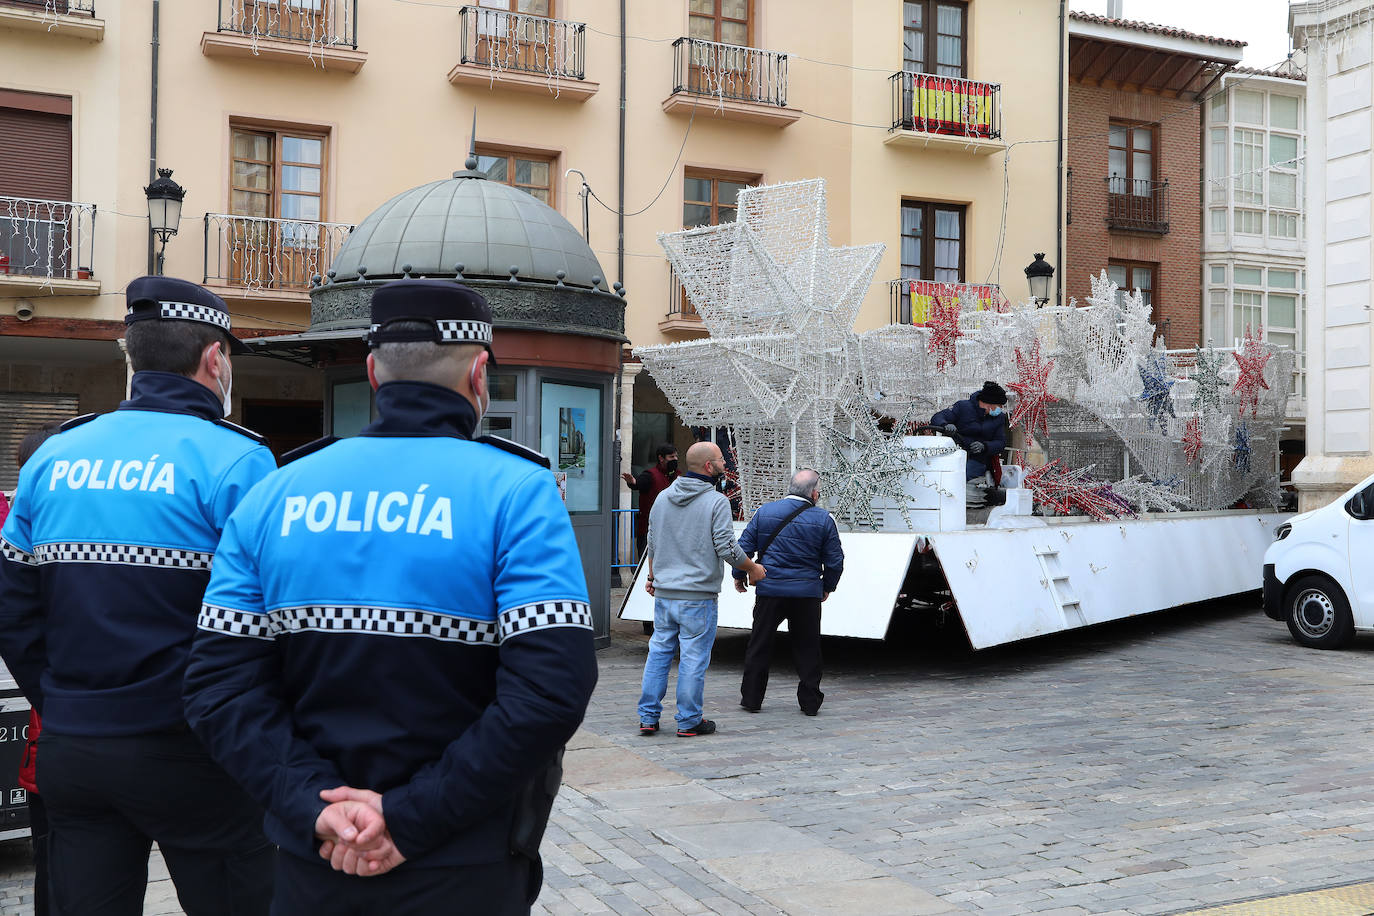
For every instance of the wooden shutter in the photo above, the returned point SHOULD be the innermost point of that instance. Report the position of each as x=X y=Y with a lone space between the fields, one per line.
x=35 y=154
x=20 y=414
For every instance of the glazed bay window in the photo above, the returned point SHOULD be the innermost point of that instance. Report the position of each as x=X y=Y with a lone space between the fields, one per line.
x=530 y=172
x=275 y=235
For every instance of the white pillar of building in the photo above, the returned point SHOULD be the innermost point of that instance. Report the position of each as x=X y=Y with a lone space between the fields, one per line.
x=1339 y=335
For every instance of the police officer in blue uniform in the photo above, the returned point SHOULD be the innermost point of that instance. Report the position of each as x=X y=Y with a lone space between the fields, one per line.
x=396 y=641
x=103 y=564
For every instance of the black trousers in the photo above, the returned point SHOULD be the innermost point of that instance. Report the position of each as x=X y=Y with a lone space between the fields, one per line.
x=38 y=836
x=110 y=799
x=803 y=616
x=505 y=888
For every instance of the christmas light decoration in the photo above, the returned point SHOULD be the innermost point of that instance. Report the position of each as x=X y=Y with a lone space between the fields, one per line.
x=1032 y=388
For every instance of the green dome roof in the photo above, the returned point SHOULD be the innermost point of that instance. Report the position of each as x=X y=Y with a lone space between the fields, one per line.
x=485 y=226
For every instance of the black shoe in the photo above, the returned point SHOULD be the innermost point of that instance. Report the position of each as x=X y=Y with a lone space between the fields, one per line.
x=648 y=729
x=748 y=708
x=703 y=727
x=810 y=712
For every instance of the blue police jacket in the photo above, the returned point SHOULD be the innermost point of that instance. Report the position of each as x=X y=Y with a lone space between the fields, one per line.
x=804 y=560
x=106 y=555
x=403 y=611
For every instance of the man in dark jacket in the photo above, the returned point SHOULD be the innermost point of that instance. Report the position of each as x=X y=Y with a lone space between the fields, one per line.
x=805 y=561
x=981 y=422
x=651 y=481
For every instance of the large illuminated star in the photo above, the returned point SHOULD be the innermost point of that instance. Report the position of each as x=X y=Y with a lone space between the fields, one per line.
x=944 y=333
x=1154 y=375
x=1252 y=357
x=1032 y=386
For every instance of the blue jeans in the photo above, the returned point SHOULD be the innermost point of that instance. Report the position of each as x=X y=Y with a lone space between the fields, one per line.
x=691 y=627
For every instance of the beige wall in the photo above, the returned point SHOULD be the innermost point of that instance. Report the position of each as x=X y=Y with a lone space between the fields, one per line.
x=398 y=123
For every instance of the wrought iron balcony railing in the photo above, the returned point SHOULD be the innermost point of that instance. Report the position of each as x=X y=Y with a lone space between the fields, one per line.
x=328 y=23
x=519 y=42
x=910 y=301
x=1139 y=205
x=269 y=254
x=47 y=238
x=56 y=7
x=679 y=306
x=945 y=105
x=729 y=72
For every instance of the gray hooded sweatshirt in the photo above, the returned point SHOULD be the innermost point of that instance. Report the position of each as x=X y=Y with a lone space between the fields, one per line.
x=690 y=539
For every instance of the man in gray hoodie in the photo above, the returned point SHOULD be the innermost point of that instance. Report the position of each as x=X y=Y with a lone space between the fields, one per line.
x=690 y=539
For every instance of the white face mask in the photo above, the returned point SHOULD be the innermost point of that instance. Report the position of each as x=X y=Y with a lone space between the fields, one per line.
x=226 y=389
x=482 y=404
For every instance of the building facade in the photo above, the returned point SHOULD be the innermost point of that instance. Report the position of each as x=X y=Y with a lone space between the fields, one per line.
x=1254 y=228
x=1339 y=247
x=288 y=122
x=1135 y=158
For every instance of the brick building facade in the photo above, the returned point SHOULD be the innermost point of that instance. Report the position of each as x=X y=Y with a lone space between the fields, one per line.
x=1135 y=160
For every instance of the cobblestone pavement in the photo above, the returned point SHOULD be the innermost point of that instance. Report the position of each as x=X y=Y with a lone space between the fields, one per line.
x=1174 y=763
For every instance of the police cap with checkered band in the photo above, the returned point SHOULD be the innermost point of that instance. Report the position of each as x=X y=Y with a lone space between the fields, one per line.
x=449 y=311
x=170 y=299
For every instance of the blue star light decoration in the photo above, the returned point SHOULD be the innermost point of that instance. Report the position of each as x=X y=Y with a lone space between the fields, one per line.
x=1154 y=375
x=1240 y=450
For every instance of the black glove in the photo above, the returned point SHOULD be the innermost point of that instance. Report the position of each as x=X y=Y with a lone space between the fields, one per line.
x=951 y=428
x=976 y=448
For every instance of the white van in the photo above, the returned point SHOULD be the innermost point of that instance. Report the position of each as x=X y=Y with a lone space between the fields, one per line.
x=1319 y=572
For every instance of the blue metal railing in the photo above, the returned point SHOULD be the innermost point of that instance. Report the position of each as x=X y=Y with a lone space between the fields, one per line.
x=623 y=553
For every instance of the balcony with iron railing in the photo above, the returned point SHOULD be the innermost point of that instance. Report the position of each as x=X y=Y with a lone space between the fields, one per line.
x=733 y=82
x=1138 y=205
x=318 y=33
x=522 y=53
x=47 y=245
x=73 y=18
x=943 y=111
x=910 y=301
x=682 y=316
x=269 y=258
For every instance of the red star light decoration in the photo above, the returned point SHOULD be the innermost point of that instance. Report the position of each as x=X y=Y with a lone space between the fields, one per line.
x=1192 y=440
x=944 y=333
x=1031 y=386
x=1051 y=485
x=1252 y=358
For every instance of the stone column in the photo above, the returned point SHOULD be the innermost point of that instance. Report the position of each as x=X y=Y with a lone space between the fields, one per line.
x=1338 y=335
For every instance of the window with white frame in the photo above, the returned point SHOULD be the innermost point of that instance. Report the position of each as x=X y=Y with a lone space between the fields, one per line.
x=1251 y=296
x=1254 y=165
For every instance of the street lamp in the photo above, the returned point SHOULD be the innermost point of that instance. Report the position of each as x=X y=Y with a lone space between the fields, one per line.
x=1038 y=276
x=164 y=209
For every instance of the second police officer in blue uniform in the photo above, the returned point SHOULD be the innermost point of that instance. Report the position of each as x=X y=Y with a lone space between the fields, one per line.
x=103 y=563
x=396 y=642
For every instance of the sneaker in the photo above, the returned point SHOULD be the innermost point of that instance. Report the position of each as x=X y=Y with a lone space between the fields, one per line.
x=648 y=729
x=703 y=727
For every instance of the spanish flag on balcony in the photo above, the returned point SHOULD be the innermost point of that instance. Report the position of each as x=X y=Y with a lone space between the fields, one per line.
x=924 y=294
x=942 y=105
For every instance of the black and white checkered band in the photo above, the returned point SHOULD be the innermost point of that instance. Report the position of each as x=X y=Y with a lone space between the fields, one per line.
x=381 y=621
x=458 y=331
x=385 y=621
x=234 y=623
x=190 y=311
x=15 y=555
x=545 y=614
x=123 y=555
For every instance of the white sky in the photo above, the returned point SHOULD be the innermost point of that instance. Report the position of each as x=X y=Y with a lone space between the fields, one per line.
x=1262 y=23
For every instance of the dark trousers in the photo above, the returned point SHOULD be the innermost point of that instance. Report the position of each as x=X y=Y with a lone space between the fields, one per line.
x=803 y=616
x=505 y=888
x=110 y=799
x=38 y=836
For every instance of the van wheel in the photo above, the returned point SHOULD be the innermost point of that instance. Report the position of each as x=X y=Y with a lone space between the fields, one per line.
x=1318 y=613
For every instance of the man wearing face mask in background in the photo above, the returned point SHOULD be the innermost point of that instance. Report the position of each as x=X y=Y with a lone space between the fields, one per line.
x=981 y=424
x=103 y=565
x=652 y=481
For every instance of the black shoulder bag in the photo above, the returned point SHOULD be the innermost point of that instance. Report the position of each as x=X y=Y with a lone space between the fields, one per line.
x=758 y=554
